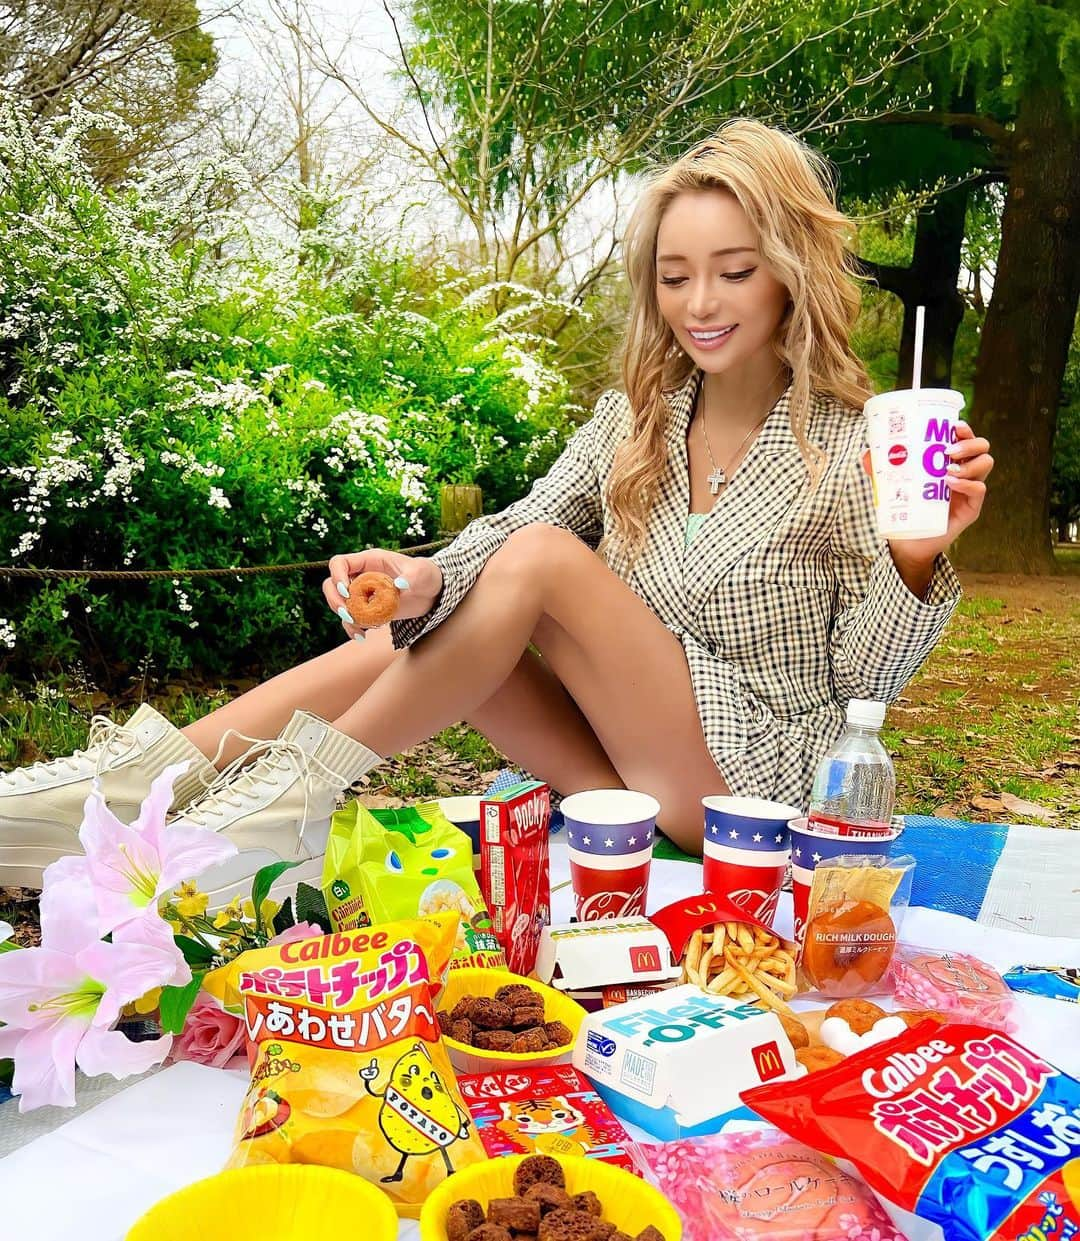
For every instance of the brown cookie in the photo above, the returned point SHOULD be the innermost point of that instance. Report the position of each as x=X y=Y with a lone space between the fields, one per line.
x=530 y=1041
x=520 y=1214
x=515 y=993
x=650 y=1234
x=490 y=1232
x=588 y=1201
x=538 y=1169
x=550 y=1197
x=463 y=1008
x=573 y=1226
x=558 y=1034
x=462 y=1218
x=445 y=1019
x=489 y=1014
x=493 y=1040
x=525 y=1016
x=462 y=1030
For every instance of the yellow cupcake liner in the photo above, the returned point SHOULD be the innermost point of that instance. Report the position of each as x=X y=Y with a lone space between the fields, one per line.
x=557 y=1007
x=629 y=1202
x=286 y=1203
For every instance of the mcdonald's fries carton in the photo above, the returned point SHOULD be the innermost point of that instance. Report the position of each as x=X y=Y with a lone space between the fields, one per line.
x=674 y=1063
x=587 y=958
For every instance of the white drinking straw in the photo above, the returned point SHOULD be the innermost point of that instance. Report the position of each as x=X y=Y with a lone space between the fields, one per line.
x=916 y=364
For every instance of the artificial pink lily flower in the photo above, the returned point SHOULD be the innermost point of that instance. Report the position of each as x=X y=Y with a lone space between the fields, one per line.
x=131 y=868
x=59 y=1002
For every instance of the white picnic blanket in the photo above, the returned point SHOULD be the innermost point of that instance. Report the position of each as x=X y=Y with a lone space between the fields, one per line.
x=110 y=1164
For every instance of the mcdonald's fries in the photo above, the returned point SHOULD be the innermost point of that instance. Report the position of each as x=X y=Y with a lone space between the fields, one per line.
x=741 y=959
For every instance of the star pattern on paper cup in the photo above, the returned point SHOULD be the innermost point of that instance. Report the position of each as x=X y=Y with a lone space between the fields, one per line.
x=733 y=834
x=609 y=843
x=757 y=838
x=779 y=838
x=817 y=857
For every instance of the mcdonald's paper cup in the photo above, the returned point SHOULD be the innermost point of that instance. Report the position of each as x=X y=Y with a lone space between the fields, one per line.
x=908 y=432
x=746 y=852
x=810 y=848
x=610 y=834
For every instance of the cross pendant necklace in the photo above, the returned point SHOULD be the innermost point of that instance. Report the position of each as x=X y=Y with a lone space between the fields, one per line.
x=718 y=477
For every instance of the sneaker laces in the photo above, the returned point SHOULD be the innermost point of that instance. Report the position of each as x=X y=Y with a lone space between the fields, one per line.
x=238 y=784
x=101 y=745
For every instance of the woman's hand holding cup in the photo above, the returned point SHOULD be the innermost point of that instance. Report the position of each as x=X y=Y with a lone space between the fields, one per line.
x=419 y=580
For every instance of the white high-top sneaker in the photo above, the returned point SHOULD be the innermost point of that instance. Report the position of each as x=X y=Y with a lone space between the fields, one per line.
x=276 y=806
x=41 y=806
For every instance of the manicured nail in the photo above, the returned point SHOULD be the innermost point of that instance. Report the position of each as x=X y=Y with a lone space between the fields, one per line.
x=402 y=583
x=359 y=637
x=953 y=450
x=344 y=614
x=342 y=589
x=953 y=469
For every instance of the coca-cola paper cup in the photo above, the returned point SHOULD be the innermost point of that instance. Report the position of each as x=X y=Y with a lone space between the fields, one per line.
x=610 y=834
x=746 y=852
x=810 y=848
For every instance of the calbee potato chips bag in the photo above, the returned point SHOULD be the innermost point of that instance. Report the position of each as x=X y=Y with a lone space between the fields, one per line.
x=387 y=864
x=347 y=1065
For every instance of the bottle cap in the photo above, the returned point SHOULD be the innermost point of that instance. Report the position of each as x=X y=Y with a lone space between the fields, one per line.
x=865 y=713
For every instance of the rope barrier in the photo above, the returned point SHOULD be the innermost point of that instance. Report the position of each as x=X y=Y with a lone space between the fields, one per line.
x=142 y=575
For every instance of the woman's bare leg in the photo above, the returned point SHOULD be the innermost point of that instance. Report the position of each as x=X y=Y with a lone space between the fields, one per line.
x=626 y=672
x=530 y=718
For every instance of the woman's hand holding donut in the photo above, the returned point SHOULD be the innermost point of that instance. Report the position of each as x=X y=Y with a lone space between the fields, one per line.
x=417 y=579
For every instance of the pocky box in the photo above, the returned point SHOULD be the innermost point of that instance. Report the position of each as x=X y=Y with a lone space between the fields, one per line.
x=551 y=1110
x=514 y=868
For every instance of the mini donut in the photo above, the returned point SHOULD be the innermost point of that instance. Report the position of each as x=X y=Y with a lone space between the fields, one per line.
x=860 y=1015
x=913 y=1016
x=798 y=1036
x=814 y=1058
x=849 y=948
x=373 y=599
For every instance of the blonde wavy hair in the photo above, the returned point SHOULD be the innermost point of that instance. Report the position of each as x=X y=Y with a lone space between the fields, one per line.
x=788 y=193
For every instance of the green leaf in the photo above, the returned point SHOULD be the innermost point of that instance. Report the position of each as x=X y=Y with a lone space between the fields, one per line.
x=263 y=881
x=311 y=907
x=175 y=1005
x=194 y=952
x=284 y=919
x=9 y=945
x=7 y=1072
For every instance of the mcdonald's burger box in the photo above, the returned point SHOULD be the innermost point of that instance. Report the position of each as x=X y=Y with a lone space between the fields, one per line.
x=606 y=962
x=674 y=1063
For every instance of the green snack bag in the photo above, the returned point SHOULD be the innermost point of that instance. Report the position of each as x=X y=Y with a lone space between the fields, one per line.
x=384 y=865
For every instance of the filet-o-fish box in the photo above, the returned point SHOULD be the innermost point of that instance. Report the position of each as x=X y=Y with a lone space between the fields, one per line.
x=674 y=1063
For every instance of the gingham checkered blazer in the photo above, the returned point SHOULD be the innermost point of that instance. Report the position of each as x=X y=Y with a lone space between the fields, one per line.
x=786 y=602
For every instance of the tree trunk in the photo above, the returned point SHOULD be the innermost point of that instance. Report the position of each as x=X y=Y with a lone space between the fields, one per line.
x=1025 y=338
x=931 y=281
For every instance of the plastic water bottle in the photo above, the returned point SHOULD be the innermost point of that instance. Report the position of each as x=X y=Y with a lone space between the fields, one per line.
x=855 y=786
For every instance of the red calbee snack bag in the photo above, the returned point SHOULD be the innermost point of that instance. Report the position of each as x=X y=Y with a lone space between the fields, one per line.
x=960 y=1124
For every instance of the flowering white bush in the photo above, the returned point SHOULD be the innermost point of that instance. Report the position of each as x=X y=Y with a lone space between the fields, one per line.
x=228 y=400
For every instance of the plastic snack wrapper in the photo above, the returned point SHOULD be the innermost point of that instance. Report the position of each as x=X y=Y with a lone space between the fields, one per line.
x=387 y=864
x=960 y=986
x=1057 y=982
x=853 y=921
x=348 y=1069
x=959 y=1124
x=763 y=1184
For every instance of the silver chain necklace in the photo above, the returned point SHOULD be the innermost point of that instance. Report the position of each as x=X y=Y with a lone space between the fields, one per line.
x=718 y=477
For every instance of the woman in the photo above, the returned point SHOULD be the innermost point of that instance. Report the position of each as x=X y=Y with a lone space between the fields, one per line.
x=682 y=605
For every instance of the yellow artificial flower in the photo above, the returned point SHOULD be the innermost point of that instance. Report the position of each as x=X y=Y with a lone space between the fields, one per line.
x=269 y=911
x=231 y=913
x=149 y=1002
x=190 y=902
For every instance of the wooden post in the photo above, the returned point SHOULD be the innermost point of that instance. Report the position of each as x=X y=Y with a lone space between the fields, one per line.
x=459 y=504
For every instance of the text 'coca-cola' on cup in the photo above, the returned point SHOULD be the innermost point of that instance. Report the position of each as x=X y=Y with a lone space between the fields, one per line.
x=908 y=432
x=610 y=838
x=746 y=852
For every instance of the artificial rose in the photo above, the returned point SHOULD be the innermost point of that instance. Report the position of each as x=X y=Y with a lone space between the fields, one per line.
x=210 y=1035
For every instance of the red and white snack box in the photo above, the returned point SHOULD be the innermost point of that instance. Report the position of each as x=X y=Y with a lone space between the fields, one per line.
x=551 y=1111
x=577 y=956
x=514 y=868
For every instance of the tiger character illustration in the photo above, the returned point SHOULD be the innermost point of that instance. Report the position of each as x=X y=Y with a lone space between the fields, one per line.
x=551 y=1125
x=418 y=1115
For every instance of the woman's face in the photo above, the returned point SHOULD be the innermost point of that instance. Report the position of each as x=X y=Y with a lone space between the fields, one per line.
x=723 y=304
